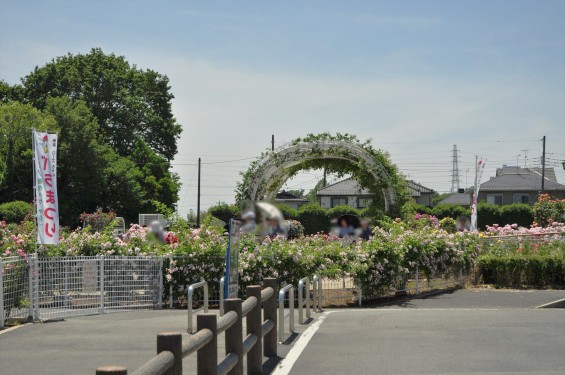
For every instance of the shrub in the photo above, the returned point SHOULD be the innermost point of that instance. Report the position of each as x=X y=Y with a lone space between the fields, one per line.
x=410 y=209
x=539 y=271
x=97 y=220
x=295 y=229
x=547 y=211
x=518 y=213
x=15 y=212
x=448 y=224
x=224 y=212
x=338 y=211
x=289 y=213
x=450 y=210
x=314 y=218
x=488 y=214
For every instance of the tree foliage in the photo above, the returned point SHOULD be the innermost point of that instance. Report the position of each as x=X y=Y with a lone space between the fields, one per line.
x=129 y=103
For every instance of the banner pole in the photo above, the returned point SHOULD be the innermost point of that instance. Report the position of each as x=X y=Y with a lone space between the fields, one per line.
x=34 y=188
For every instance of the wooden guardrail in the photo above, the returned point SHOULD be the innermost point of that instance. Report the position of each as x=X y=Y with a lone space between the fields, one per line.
x=261 y=339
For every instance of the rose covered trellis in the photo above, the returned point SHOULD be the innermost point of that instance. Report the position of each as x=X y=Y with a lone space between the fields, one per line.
x=341 y=154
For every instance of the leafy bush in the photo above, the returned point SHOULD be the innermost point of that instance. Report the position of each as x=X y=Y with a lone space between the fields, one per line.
x=224 y=212
x=15 y=212
x=488 y=214
x=547 y=211
x=518 y=213
x=289 y=213
x=345 y=209
x=98 y=220
x=540 y=271
x=450 y=210
x=448 y=224
x=295 y=229
x=410 y=209
x=314 y=218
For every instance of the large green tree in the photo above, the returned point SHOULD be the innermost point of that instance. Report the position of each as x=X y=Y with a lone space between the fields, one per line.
x=129 y=103
x=16 y=122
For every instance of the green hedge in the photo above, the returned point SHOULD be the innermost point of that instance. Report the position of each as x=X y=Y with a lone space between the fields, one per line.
x=540 y=271
x=338 y=211
x=224 y=212
x=15 y=212
x=453 y=211
x=519 y=213
x=314 y=218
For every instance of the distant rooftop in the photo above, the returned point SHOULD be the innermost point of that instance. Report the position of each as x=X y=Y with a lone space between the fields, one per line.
x=521 y=179
x=351 y=187
x=461 y=199
x=285 y=196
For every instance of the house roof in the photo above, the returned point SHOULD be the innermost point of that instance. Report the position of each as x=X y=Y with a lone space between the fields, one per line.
x=344 y=187
x=461 y=199
x=351 y=187
x=416 y=189
x=521 y=179
x=285 y=196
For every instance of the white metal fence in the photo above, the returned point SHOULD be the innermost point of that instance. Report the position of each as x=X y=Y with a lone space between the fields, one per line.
x=62 y=287
x=14 y=289
x=345 y=291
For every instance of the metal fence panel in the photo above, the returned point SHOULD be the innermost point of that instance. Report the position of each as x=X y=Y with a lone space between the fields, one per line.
x=78 y=286
x=14 y=289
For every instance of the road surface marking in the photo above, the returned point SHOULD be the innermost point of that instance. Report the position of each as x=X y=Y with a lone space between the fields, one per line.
x=286 y=364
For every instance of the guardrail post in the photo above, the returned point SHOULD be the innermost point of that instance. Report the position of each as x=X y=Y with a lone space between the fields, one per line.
x=207 y=357
x=30 y=286
x=308 y=299
x=172 y=342
x=111 y=370
x=300 y=302
x=314 y=292
x=234 y=335
x=270 y=312
x=222 y=286
x=2 y=315
x=170 y=284
x=254 y=322
x=101 y=309
x=417 y=280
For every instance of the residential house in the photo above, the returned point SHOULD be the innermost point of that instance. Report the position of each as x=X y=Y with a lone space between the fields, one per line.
x=349 y=192
x=291 y=200
x=520 y=185
x=461 y=198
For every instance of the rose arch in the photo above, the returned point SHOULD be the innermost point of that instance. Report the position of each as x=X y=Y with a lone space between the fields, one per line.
x=341 y=154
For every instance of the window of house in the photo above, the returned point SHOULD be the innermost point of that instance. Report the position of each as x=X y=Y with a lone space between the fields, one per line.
x=521 y=198
x=495 y=199
x=364 y=202
x=339 y=201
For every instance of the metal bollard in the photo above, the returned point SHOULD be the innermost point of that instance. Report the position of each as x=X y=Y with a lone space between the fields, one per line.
x=270 y=312
x=207 y=357
x=222 y=291
x=303 y=288
x=254 y=322
x=234 y=335
x=172 y=342
x=111 y=370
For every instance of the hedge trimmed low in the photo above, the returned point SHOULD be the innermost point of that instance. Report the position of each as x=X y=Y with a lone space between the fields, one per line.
x=540 y=271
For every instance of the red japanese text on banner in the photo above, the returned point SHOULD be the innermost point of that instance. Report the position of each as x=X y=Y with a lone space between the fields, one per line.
x=47 y=201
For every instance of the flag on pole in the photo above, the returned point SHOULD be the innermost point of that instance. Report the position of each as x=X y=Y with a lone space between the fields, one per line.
x=45 y=176
x=478 y=174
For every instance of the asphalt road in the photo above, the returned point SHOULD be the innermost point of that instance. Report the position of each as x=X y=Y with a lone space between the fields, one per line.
x=463 y=332
x=80 y=345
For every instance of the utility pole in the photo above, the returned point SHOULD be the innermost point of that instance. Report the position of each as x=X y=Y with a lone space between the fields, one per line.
x=455 y=171
x=273 y=143
x=543 y=167
x=198 y=198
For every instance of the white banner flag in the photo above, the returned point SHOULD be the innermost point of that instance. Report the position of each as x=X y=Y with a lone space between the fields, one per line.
x=47 y=201
x=479 y=173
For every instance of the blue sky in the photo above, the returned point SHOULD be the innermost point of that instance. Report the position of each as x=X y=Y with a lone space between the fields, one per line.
x=415 y=76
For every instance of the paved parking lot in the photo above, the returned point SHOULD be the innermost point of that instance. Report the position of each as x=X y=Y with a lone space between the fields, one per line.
x=79 y=345
x=463 y=332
